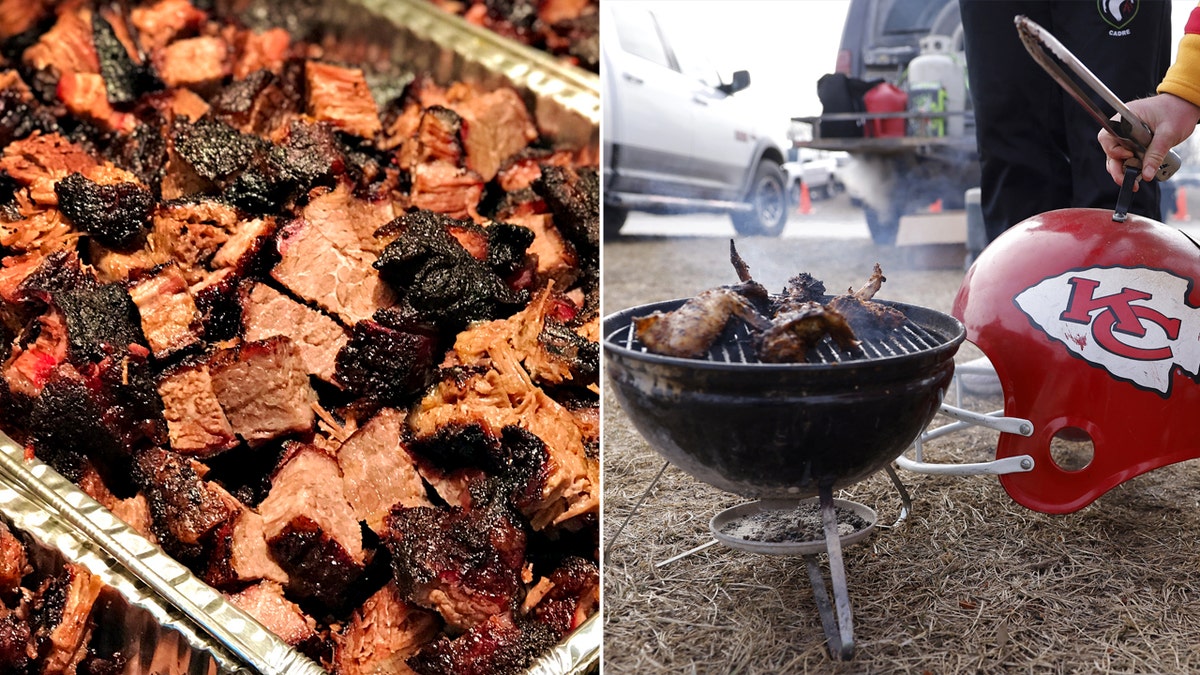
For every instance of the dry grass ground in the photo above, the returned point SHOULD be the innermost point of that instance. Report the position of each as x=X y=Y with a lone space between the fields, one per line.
x=971 y=583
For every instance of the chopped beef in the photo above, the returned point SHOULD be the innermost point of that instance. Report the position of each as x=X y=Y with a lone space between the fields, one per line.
x=439 y=278
x=496 y=125
x=143 y=152
x=21 y=116
x=194 y=62
x=573 y=196
x=101 y=321
x=556 y=257
x=125 y=80
x=240 y=553
x=436 y=138
x=244 y=244
x=116 y=215
x=261 y=51
x=31 y=363
x=442 y=187
x=19 y=16
x=266 y=312
x=170 y=321
x=215 y=150
x=378 y=470
x=347 y=220
x=67 y=47
x=41 y=160
x=163 y=21
x=16 y=642
x=14 y=564
x=569 y=597
x=385 y=364
x=196 y=424
x=310 y=527
x=382 y=633
x=466 y=564
x=265 y=602
x=185 y=508
x=85 y=95
x=264 y=390
x=340 y=96
x=497 y=646
x=60 y=619
x=338 y=281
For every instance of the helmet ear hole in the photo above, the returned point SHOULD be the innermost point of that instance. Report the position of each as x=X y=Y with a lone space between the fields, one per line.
x=1071 y=449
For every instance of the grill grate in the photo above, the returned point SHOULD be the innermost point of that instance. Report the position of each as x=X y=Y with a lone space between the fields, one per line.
x=735 y=345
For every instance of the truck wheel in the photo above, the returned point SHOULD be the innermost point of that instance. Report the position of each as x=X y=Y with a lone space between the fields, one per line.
x=768 y=200
x=613 y=219
x=883 y=225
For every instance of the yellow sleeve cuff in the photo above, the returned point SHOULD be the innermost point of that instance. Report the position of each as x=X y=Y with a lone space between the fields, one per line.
x=1183 y=77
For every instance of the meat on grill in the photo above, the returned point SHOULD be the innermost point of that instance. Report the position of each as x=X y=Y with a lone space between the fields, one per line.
x=692 y=329
x=798 y=329
x=382 y=634
x=867 y=318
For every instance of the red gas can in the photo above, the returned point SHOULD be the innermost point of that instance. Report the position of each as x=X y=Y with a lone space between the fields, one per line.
x=885 y=98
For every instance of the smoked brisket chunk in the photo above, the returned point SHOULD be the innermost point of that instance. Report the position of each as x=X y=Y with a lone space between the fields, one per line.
x=573 y=196
x=310 y=527
x=196 y=424
x=124 y=80
x=388 y=366
x=466 y=564
x=382 y=633
x=101 y=321
x=13 y=563
x=184 y=507
x=497 y=646
x=267 y=312
x=17 y=652
x=573 y=593
x=264 y=390
x=265 y=601
x=60 y=618
x=440 y=278
x=116 y=215
x=378 y=470
x=169 y=318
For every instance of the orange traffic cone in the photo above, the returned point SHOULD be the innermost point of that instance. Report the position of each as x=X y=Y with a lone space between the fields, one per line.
x=936 y=207
x=805 y=200
x=1181 y=204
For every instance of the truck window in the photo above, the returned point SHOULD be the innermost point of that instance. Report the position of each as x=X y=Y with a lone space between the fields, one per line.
x=639 y=36
x=912 y=16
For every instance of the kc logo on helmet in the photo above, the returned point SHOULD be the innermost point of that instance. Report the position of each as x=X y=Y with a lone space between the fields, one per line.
x=1133 y=322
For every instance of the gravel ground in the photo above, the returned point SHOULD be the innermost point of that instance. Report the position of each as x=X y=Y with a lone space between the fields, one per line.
x=972 y=582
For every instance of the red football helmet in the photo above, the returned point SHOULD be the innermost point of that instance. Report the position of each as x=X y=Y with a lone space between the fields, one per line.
x=1093 y=326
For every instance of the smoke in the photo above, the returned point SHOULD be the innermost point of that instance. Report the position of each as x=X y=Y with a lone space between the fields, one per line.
x=869 y=179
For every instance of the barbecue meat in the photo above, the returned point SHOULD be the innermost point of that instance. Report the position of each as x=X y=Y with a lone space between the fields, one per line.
x=266 y=312
x=567 y=597
x=310 y=526
x=340 y=281
x=867 y=318
x=184 y=506
x=265 y=601
x=340 y=96
x=690 y=330
x=378 y=471
x=263 y=389
x=60 y=618
x=498 y=646
x=196 y=424
x=240 y=553
x=381 y=634
x=793 y=332
x=466 y=564
x=496 y=125
x=197 y=62
x=387 y=364
x=169 y=318
x=801 y=289
x=14 y=564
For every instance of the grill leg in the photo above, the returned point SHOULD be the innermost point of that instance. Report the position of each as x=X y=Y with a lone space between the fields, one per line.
x=837 y=620
x=638 y=505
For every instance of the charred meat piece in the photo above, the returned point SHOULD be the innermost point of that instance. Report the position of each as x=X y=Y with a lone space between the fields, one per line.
x=17 y=650
x=868 y=319
x=60 y=618
x=439 y=278
x=21 y=116
x=498 y=646
x=338 y=281
x=466 y=564
x=124 y=80
x=239 y=553
x=382 y=633
x=496 y=126
x=215 y=150
x=692 y=329
x=184 y=506
x=794 y=332
x=310 y=527
x=265 y=601
x=568 y=596
x=116 y=215
x=378 y=471
x=264 y=390
x=573 y=196
x=101 y=321
x=386 y=365
x=801 y=289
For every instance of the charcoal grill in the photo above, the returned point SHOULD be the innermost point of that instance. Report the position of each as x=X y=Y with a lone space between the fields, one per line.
x=772 y=431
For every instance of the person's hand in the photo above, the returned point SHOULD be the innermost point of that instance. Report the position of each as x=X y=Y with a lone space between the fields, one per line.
x=1172 y=118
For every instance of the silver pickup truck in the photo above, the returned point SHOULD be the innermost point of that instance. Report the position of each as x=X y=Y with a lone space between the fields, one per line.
x=677 y=138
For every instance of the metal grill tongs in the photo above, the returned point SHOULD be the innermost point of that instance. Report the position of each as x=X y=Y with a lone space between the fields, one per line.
x=1082 y=84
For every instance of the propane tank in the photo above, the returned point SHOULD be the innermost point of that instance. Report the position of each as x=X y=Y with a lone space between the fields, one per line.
x=885 y=97
x=936 y=66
